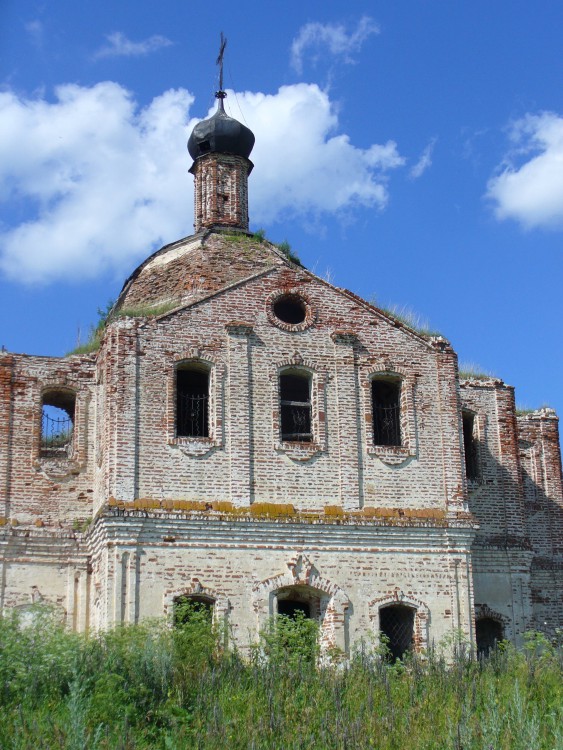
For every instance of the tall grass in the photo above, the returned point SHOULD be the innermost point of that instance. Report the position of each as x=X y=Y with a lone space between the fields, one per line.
x=149 y=686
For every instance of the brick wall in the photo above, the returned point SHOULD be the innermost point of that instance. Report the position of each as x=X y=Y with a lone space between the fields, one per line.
x=365 y=525
x=540 y=456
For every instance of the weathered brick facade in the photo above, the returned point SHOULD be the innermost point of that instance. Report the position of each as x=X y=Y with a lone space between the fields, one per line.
x=138 y=510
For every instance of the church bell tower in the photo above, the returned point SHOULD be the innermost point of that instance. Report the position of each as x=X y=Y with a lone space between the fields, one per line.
x=220 y=147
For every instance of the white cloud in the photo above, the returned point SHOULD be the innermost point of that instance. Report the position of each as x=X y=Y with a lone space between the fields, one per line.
x=531 y=191
x=303 y=166
x=103 y=182
x=120 y=46
x=332 y=38
x=424 y=162
x=99 y=177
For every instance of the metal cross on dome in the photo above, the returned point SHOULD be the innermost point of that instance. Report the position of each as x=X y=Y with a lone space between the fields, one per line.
x=221 y=94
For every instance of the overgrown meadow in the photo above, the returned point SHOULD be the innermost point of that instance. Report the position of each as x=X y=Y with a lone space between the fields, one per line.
x=152 y=686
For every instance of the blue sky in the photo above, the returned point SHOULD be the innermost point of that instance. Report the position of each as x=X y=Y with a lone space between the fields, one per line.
x=409 y=151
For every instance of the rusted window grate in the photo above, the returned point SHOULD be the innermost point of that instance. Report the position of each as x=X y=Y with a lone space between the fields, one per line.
x=56 y=431
x=396 y=622
x=296 y=420
x=387 y=425
x=192 y=403
x=192 y=415
x=295 y=407
x=386 y=405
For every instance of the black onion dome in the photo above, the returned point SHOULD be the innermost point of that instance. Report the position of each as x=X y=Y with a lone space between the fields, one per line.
x=220 y=134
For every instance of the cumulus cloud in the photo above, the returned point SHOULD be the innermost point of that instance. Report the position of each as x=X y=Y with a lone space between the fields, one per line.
x=99 y=179
x=424 y=162
x=92 y=181
x=332 y=38
x=529 y=184
x=303 y=166
x=118 y=45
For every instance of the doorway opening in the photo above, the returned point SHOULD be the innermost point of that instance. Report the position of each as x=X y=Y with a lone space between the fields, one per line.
x=396 y=623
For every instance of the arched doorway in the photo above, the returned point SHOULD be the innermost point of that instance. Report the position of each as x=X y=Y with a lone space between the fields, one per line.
x=396 y=623
x=488 y=632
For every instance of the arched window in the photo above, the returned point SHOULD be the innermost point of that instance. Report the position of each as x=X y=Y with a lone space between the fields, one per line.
x=295 y=405
x=386 y=407
x=57 y=421
x=292 y=600
x=488 y=632
x=396 y=623
x=470 y=445
x=192 y=400
x=297 y=624
x=192 y=609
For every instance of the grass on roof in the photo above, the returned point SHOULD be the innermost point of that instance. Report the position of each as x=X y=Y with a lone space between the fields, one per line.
x=473 y=371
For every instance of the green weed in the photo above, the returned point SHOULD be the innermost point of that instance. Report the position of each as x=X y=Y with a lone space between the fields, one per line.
x=156 y=686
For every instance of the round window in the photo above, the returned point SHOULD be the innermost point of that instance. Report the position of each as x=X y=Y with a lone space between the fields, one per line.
x=290 y=309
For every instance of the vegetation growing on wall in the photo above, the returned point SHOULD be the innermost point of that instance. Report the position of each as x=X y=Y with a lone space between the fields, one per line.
x=408 y=317
x=473 y=371
x=107 y=314
x=152 y=686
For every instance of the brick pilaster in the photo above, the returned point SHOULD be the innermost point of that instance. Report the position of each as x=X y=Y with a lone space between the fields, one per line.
x=6 y=370
x=348 y=422
x=240 y=415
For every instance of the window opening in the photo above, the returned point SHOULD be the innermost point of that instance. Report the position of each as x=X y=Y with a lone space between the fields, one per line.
x=290 y=309
x=386 y=405
x=470 y=446
x=296 y=630
x=295 y=406
x=396 y=623
x=57 y=422
x=192 y=610
x=290 y=607
x=192 y=402
x=488 y=632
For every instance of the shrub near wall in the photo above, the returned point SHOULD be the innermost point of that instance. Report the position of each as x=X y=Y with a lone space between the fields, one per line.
x=150 y=686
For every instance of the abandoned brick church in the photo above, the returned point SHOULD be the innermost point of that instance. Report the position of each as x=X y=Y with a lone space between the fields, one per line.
x=254 y=438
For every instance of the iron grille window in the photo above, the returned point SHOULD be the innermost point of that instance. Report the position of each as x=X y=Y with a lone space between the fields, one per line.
x=192 y=403
x=470 y=446
x=295 y=407
x=396 y=622
x=57 y=422
x=386 y=405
